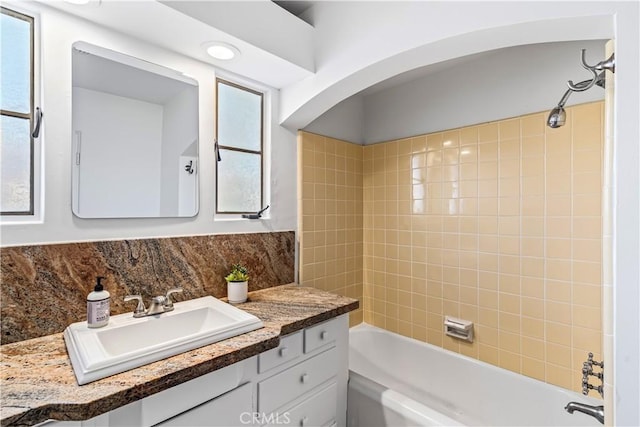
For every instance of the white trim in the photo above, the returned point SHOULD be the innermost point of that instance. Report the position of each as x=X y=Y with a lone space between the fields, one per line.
x=38 y=144
x=267 y=115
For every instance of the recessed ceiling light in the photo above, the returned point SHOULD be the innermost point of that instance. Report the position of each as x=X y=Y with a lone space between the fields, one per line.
x=222 y=51
x=78 y=1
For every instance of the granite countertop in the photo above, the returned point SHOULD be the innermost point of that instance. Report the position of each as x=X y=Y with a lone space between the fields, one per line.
x=38 y=383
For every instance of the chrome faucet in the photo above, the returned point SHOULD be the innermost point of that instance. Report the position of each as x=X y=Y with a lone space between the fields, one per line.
x=596 y=412
x=160 y=304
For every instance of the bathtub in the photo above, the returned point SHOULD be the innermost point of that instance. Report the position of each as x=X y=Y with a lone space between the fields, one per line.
x=399 y=381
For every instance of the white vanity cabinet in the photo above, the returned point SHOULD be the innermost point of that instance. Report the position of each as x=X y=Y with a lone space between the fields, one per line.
x=308 y=386
x=302 y=382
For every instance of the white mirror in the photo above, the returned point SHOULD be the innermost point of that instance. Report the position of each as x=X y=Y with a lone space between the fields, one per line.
x=135 y=137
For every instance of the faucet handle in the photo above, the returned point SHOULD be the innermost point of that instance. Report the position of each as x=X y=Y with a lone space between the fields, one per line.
x=140 y=309
x=168 y=302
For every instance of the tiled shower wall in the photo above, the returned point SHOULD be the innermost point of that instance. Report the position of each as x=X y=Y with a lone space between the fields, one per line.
x=330 y=216
x=498 y=223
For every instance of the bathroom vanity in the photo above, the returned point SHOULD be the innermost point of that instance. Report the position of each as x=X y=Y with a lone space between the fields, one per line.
x=291 y=372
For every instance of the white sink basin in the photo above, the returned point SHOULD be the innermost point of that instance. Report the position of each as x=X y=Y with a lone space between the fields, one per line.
x=126 y=342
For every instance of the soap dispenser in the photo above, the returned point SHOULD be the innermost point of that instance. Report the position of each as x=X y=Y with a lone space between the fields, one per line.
x=98 y=306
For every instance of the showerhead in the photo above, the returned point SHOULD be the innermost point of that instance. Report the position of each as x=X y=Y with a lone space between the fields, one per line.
x=557 y=117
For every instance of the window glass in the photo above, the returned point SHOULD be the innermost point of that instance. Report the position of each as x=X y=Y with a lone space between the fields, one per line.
x=16 y=165
x=16 y=118
x=239 y=135
x=15 y=74
x=239 y=118
x=239 y=181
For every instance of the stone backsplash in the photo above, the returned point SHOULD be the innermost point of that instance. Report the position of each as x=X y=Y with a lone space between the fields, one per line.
x=44 y=287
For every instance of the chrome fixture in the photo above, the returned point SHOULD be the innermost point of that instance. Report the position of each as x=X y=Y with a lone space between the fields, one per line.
x=609 y=64
x=596 y=412
x=587 y=371
x=557 y=116
x=160 y=304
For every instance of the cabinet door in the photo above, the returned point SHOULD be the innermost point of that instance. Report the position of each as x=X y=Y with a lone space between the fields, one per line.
x=231 y=409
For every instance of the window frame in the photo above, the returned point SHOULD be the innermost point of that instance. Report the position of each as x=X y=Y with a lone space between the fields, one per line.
x=261 y=153
x=33 y=206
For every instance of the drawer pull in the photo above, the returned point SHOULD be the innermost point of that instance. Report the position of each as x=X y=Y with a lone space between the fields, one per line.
x=324 y=335
x=304 y=378
x=303 y=421
x=283 y=351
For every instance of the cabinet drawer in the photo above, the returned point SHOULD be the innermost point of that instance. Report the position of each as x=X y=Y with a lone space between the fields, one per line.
x=290 y=347
x=317 y=410
x=230 y=409
x=297 y=380
x=321 y=334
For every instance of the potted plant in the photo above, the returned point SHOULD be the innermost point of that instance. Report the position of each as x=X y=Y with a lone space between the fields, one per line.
x=237 y=284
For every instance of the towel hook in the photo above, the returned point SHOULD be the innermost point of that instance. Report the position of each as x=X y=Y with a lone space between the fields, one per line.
x=189 y=167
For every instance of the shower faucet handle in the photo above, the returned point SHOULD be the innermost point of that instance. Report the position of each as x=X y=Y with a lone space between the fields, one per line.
x=592 y=362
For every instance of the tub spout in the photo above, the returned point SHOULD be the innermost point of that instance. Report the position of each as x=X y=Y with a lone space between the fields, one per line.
x=596 y=412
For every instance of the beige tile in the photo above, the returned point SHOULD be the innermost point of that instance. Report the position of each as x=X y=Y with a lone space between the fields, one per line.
x=558 y=354
x=558 y=291
x=510 y=361
x=469 y=135
x=533 y=148
x=587 y=295
x=509 y=168
x=587 y=339
x=509 y=303
x=509 y=342
x=559 y=376
x=533 y=348
x=587 y=250
x=587 y=317
x=451 y=138
x=532 y=307
x=533 y=368
x=587 y=227
x=509 y=129
x=468 y=154
x=532 y=125
x=558 y=184
x=532 y=246
x=433 y=142
x=558 y=333
x=533 y=166
x=488 y=170
x=533 y=328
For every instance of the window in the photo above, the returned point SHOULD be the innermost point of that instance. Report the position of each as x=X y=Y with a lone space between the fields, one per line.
x=239 y=134
x=17 y=114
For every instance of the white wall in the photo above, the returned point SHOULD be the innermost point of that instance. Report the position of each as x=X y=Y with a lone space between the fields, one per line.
x=505 y=83
x=344 y=121
x=58 y=31
x=124 y=132
x=179 y=131
x=490 y=86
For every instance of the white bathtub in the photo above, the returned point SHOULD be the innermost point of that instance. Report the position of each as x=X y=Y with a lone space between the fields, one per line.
x=398 y=381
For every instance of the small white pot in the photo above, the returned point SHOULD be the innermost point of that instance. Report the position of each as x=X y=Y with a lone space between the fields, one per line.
x=237 y=292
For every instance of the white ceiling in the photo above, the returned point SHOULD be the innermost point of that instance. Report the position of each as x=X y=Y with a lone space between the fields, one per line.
x=165 y=26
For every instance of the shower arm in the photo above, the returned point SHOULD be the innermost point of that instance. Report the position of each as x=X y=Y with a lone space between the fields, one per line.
x=608 y=64
x=578 y=85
